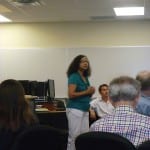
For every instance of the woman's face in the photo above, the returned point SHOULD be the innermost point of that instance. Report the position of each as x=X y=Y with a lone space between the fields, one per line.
x=84 y=64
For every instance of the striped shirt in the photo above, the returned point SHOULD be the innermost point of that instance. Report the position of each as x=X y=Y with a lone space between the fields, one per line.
x=126 y=122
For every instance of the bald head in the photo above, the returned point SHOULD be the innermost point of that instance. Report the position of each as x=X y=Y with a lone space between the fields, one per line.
x=144 y=78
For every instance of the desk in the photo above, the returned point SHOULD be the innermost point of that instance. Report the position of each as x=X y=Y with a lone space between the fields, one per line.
x=52 y=116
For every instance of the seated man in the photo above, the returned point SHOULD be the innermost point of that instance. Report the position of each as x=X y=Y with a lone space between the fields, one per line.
x=101 y=106
x=124 y=94
x=143 y=106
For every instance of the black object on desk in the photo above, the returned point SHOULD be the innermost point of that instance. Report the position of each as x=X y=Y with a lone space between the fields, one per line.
x=55 y=119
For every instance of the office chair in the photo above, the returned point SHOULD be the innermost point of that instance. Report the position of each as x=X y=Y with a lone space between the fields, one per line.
x=144 y=146
x=39 y=137
x=102 y=141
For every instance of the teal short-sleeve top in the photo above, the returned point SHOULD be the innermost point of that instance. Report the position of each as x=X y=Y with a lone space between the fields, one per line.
x=82 y=102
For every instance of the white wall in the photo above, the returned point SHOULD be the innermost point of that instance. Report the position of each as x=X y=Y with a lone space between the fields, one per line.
x=41 y=64
x=35 y=64
x=75 y=34
x=37 y=51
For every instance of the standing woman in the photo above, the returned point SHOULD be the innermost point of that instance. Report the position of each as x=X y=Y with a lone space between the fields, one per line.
x=79 y=93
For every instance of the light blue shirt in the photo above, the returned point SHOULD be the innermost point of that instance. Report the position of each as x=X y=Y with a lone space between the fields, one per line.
x=143 y=106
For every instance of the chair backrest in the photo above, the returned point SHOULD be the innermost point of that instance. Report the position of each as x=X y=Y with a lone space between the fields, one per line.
x=144 y=146
x=39 y=137
x=102 y=141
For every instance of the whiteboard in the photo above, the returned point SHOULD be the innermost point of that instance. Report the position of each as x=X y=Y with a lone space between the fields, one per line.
x=52 y=63
x=110 y=62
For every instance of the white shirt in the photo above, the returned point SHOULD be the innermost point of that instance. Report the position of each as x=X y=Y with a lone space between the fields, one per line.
x=101 y=107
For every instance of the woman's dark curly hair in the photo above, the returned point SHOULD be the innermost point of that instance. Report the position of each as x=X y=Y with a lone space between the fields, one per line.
x=74 y=66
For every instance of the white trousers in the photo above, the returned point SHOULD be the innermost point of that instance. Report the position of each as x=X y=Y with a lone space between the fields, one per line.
x=78 y=122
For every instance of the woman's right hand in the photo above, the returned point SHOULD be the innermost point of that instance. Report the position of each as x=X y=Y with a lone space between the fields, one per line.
x=90 y=90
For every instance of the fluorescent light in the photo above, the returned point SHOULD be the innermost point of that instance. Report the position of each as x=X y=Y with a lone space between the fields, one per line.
x=4 y=19
x=129 y=11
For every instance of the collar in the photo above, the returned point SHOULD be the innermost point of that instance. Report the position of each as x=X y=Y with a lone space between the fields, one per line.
x=124 y=108
x=145 y=96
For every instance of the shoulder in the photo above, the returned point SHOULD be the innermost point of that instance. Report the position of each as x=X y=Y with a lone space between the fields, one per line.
x=96 y=100
x=144 y=119
x=74 y=75
x=73 y=78
x=144 y=101
x=6 y=138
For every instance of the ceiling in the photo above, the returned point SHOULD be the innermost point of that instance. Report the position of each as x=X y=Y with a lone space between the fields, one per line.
x=68 y=10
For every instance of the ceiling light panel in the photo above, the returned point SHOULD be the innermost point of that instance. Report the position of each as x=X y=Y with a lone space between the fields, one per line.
x=129 y=11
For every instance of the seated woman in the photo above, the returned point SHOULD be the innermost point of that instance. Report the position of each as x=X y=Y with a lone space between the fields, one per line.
x=15 y=112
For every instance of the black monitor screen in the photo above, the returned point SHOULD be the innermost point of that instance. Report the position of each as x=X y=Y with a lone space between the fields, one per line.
x=33 y=87
x=51 y=89
x=40 y=89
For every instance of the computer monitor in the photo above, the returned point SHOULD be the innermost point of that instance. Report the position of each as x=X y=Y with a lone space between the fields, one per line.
x=50 y=90
x=40 y=89
x=33 y=87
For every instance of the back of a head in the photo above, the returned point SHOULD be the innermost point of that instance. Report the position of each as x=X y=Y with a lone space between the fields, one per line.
x=124 y=88
x=11 y=95
x=13 y=105
x=144 y=78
